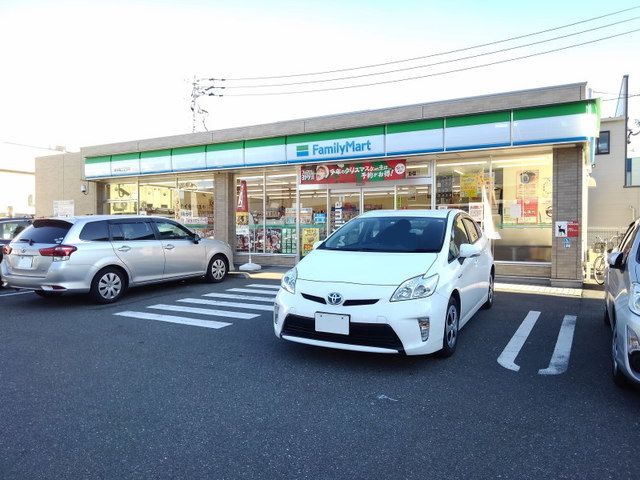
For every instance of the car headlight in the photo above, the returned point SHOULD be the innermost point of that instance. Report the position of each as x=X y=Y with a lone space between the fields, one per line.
x=288 y=281
x=416 y=287
x=634 y=298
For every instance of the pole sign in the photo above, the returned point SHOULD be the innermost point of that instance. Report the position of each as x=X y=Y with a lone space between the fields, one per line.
x=375 y=171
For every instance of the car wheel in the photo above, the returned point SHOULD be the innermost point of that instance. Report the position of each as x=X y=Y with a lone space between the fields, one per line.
x=489 y=303
x=451 y=323
x=217 y=269
x=108 y=285
x=619 y=378
x=46 y=294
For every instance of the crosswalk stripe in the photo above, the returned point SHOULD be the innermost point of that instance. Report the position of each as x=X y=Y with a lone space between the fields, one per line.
x=275 y=287
x=239 y=297
x=173 y=319
x=252 y=290
x=511 y=351
x=249 y=306
x=204 y=311
x=560 y=357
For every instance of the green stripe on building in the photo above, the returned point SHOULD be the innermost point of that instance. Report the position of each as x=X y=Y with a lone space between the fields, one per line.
x=575 y=108
x=335 y=135
x=94 y=160
x=433 y=124
x=188 y=150
x=482 y=119
x=219 y=147
x=156 y=154
x=264 y=142
x=125 y=156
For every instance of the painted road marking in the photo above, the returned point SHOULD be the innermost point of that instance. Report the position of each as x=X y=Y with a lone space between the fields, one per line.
x=275 y=287
x=204 y=311
x=252 y=290
x=511 y=351
x=560 y=358
x=16 y=293
x=174 y=319
x=239 y=297
x=219 y=303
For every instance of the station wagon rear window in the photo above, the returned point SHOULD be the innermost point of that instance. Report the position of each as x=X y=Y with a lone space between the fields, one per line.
x=45 y=231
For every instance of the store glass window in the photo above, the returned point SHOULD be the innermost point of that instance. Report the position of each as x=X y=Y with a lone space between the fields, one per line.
x=250 y=214
x=459 y=185
x=313 y=218
x=158 y=197
x=120 y=198
x=413 y=197
x=194 y=204
x=280 y=214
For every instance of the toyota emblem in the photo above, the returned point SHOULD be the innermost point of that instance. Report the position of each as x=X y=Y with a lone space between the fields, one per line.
x=334 y=298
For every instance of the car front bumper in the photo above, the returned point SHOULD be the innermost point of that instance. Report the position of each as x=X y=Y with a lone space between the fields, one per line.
x=60 y=277
x=381 y=327
x=626 y=318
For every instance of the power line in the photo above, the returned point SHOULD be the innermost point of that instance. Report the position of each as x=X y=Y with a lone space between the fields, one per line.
x=430 y=55
x=618 y=98
x=351 y=77
x=427 y=75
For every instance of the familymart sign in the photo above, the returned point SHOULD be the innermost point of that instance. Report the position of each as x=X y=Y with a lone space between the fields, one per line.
x=360 y=143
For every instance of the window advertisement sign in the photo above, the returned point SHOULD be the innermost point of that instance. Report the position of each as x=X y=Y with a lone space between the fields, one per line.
x=309 y=237
x=375 y=171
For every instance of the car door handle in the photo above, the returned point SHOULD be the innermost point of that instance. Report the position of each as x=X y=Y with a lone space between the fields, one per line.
x=124 y=248
x=169 y=247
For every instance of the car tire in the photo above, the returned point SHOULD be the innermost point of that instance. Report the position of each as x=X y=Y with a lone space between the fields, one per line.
x=489 y=303
x=47 y=294
x=451 y=324
x=108 y=285
x=217 y=269
x=619 y=378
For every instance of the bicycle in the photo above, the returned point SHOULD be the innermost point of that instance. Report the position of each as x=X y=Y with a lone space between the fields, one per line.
x=602 y=247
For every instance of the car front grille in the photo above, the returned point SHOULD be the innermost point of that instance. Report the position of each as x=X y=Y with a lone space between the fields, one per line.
x=363 y=334
x=347 y=303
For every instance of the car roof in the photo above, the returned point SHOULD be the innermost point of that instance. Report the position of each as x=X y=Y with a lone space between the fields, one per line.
x=440 y=213
x=95 y=218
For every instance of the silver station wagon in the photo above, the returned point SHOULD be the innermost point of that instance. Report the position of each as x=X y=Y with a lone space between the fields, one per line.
x=104 y=255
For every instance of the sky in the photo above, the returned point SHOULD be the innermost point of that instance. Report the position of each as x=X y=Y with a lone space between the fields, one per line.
x=89 y=73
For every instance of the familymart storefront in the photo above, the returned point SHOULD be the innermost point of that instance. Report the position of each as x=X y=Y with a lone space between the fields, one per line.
x=521 y=169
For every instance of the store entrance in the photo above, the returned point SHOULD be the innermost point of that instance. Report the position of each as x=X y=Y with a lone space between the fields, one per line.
x=347 y=204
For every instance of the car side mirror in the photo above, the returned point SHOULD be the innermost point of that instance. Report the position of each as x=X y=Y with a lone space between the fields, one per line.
x=616 y=260
x=317 y=244
x=469 y=250
x=196 y=239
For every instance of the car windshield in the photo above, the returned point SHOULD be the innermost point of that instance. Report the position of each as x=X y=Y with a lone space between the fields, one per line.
x=389 y=234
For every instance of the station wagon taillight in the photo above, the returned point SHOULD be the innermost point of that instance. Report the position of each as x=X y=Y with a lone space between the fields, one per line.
x=6 y=250
x=59 y=252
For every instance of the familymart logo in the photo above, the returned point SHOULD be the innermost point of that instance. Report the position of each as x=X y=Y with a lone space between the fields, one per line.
x=335 y=148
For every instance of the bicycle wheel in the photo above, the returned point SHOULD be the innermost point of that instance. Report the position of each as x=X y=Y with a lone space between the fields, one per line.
x=598 y=269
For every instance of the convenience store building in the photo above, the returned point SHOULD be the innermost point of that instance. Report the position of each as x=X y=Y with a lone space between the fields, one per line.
x=277 y=188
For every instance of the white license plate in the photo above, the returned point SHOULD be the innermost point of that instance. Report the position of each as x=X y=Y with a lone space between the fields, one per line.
x=25 y=263
x=332 y=323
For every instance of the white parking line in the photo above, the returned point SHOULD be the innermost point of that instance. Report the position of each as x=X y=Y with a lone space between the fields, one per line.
x=252 y=290
x=205 y=311
x=275 y=287
x=248 y=306
x=239 y=297
x=15 y=293
x=560 y=358
x=174 y=319
x=511 y=351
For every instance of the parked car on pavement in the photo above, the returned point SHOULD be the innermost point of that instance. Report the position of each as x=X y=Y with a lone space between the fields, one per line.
x=105 y=255
x=622 y=307
x=10 y=228
x=389 y=281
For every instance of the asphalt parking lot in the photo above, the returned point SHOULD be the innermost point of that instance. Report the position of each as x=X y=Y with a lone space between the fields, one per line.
x=159 y=386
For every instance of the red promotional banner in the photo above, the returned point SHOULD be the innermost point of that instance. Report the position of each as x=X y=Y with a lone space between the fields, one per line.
x=243 y=199
x=373 y=171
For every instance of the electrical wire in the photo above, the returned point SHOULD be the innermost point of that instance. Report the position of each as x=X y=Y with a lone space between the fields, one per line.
x=430 y=55
x=416 y=67
x=386 y=82
x=618 y=98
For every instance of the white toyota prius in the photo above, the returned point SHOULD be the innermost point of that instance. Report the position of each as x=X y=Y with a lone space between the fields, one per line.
x=389 y=281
